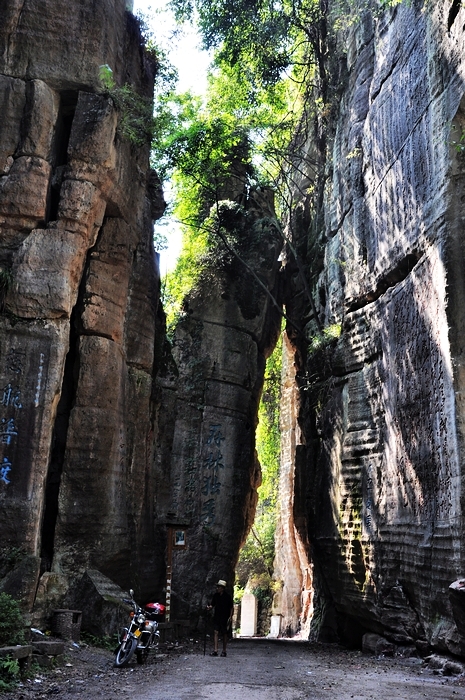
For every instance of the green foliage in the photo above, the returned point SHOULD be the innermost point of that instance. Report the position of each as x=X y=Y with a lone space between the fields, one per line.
x=135 y=111
x=213 y=151
x=105 y=75
x=141 y=119
x=11 y=621
x=458 y=144
x=9 y=673
x=160 y=241
x=180 y=281
x=270 y=67
x=322 y=340
x=261 y=36
x=106 y=642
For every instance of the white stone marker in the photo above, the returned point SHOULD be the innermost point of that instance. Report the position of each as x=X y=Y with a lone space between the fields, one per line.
x=275 y=627
x=248 y=615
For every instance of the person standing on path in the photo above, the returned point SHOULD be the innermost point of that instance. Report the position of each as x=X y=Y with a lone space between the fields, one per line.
x=223 y=605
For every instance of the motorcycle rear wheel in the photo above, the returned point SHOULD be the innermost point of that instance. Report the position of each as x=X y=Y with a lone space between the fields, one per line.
x=125 y=652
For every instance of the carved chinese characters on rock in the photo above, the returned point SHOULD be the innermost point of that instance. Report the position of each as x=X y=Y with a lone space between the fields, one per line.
x=11 y=404
x=212 y=466
x=423 y=468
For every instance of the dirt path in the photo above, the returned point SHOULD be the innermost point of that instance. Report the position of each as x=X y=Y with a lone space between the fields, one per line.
x=253 y=670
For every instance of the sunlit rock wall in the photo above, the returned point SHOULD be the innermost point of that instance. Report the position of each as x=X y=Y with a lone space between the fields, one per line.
x=79 y=303
x=292 y=570
x=384 y=425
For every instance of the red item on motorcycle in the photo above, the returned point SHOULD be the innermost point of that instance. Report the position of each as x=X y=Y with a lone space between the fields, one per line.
x=155 y=608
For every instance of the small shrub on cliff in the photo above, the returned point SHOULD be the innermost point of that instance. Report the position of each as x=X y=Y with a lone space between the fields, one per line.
x=326 y=337
x=11 y=621
x=135 y=122
x=135 y=111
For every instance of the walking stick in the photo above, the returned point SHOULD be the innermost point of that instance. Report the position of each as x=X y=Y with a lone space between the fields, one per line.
x=205 y=633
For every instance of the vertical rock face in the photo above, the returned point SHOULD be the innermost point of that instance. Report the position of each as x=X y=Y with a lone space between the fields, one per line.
x=229 y=327
x=79 y=306
x=292 y=567
x=94 y=463
x=385 y=452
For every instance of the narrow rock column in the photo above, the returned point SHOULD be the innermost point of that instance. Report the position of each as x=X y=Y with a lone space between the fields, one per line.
x=292 y=568
x=228 y=329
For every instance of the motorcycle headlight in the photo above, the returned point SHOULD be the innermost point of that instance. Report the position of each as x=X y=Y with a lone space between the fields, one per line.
x=141 y=619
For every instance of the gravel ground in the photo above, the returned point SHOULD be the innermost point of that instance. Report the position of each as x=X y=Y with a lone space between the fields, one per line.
x=253 y=670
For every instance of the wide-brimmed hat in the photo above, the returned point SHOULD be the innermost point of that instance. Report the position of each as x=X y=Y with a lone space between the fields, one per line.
x=221 y=583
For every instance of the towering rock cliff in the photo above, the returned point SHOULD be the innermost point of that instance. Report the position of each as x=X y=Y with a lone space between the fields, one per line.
x=79 y=302
x=107 y=436
x=381 y=410
x=229 y=327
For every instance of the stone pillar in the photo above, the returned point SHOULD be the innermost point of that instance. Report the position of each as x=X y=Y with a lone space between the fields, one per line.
x=275 y=627
x=249 y=611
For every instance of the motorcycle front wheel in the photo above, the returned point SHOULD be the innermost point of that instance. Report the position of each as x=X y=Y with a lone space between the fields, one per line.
x=125 y=651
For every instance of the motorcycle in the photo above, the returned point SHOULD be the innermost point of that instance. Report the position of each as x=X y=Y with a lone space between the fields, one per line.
x=142 y=633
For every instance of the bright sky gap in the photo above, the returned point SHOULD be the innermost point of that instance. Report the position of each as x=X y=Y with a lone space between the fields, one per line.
x=184 y=52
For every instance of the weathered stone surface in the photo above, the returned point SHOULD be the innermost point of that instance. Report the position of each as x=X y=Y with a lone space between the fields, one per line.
x=292 y=567
x=453 y=668
x=81 y=206
x=102 y=602
x=51 y=592
x=39 y=120
x=12 y=102
x=377 y=645
x=60 y=256
x=49 y=647
x=142 y=308
x=43 y=661
x=457 y=600
x=31 y=369
x=41 y=45
x=155 y=195
x=95 y=464
x=76 y=238
x=94 y=456
x=107 y=282
x=93 y=131
x=381 y=414
x=23 y=191
x=16 y=652
x=219 y=349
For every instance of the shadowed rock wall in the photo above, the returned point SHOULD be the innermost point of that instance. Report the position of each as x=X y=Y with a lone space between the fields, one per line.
x=79 y=315
x=385 y=451
x=228 y=329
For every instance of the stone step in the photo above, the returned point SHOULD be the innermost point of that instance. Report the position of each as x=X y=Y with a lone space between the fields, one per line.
x=49 y=647
x=16 y=652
